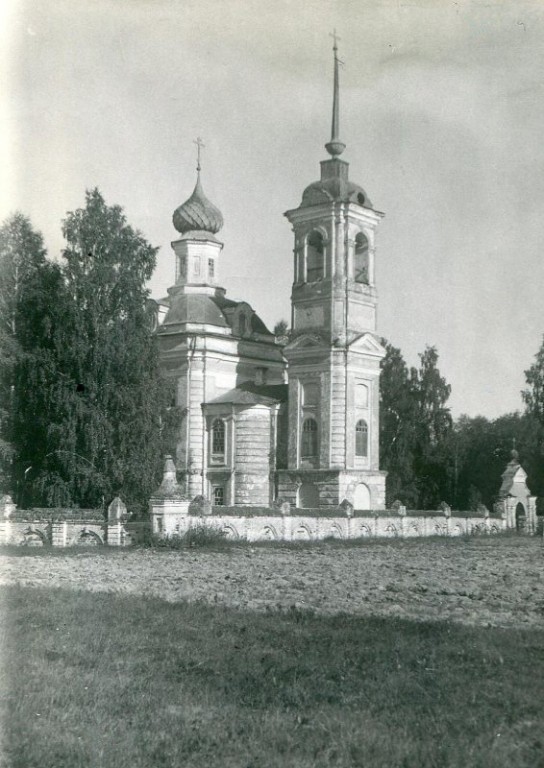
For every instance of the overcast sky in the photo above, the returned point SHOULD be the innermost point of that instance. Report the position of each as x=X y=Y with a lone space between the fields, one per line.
x=442 y=111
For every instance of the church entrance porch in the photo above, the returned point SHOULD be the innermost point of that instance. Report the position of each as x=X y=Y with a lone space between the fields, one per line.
x=326 y=489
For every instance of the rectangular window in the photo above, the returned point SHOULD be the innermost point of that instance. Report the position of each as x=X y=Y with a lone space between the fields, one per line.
x=219 y=496
x=308 y=449
x=217 y=442
x=361 y=438
x=211 y=267
x=196 y=266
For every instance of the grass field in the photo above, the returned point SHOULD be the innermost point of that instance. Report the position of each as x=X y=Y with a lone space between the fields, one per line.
x=107 y=681
x=117 y=680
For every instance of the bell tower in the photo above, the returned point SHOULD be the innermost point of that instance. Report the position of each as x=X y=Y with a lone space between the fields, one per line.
x=334 y=354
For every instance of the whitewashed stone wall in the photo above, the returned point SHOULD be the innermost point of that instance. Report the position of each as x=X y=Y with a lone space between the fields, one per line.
x=252 y=471
x=300 y=527
x=60 y=534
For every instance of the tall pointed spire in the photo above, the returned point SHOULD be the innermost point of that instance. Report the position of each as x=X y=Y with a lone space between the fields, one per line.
x=335 y=147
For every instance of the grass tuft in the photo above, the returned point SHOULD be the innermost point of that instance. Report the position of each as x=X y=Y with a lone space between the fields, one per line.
x=196 y=536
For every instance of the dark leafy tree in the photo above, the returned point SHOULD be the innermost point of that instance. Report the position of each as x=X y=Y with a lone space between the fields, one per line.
x=281 y=328
x=434 y=424
x=415 y=427
x=31 y=299
x=398 y=421
x=108 y=402
x=483 y=450
x=533 y=397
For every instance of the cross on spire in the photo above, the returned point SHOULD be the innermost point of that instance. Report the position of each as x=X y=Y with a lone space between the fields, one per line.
x=200 y=144
x=335 y=147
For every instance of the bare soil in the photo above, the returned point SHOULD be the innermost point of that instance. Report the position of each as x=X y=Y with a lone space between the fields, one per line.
x=495 y=581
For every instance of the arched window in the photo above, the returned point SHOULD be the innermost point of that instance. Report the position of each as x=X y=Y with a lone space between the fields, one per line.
x=242 y=324
x=360 y=261
x=308 y=449
x=218 y=440
x=314 y=257
x=361 y=438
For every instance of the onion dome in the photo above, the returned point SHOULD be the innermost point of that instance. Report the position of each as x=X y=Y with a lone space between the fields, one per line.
x=197 y=213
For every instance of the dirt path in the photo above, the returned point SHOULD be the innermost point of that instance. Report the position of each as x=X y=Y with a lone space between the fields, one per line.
x=488 y=581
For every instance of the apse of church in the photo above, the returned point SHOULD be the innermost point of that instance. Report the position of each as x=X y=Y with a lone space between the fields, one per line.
x=247 y=437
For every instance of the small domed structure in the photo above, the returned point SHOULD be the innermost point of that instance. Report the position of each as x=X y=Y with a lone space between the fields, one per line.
x=334 y=189
x=197 y=213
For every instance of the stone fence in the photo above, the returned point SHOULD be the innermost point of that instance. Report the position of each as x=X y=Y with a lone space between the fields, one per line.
x=63 y=533
x=61 y=527
x=171 y=518
x=64 y=528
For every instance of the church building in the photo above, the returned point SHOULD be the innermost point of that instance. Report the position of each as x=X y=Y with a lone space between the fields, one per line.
x=264 y=420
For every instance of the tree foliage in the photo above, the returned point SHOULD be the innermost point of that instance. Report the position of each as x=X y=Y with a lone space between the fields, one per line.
x=415 y=429
x=533 y=396
x=397 y=427
x=429 y=458
x=88 y=322
x=482 y=450
x=31 y=293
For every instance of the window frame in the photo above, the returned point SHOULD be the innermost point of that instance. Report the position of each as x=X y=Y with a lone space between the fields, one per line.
x=218 y=456
x=362 y=254
x=309 y=439
x=361 y=434
x=316 y=273
x=219 y=489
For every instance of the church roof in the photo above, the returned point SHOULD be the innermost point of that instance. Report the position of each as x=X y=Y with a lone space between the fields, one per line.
x=203 y=309
x=249 y=393
x=194 y=308
x=197 y=213
x=514 y=473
